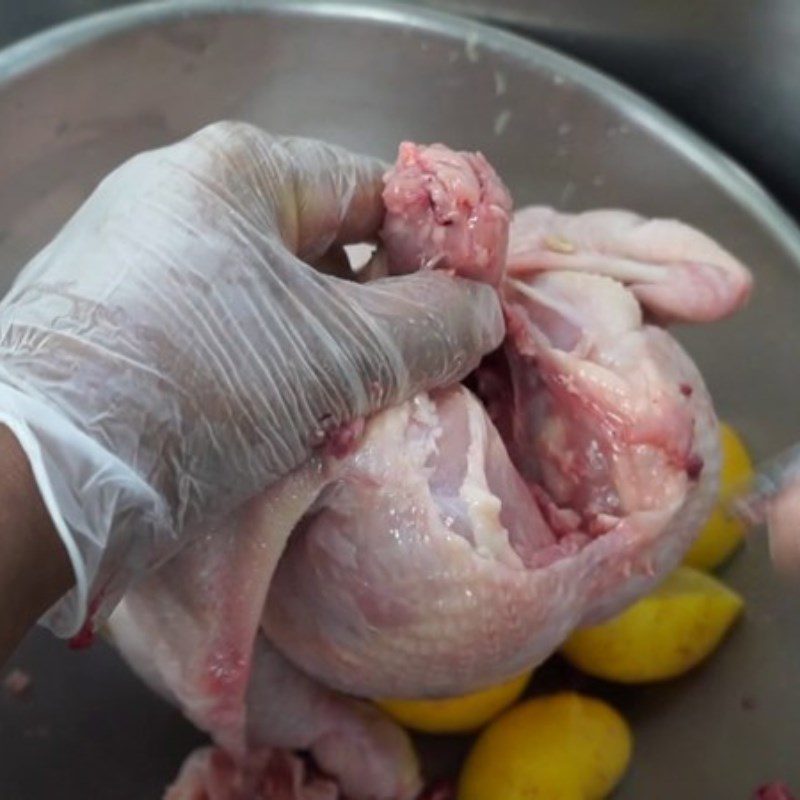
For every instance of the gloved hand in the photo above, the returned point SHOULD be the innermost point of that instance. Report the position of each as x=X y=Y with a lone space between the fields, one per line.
x=170 y=353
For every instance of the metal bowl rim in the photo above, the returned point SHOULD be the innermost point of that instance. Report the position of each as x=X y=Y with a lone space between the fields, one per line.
x=31 y=53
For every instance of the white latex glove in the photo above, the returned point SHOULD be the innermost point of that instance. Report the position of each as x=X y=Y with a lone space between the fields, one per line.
x=170 y=353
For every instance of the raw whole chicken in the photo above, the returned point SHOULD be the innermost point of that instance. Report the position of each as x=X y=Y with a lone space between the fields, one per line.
x=456 y=540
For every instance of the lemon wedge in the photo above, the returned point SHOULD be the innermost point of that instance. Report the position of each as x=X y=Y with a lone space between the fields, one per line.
x=723 y=533
x=463 y=714
x=564 y=746
x=661 y=636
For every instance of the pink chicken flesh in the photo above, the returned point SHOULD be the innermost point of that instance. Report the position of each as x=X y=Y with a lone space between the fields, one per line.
x=676 y=272
x=445 y=210
x=461 y=537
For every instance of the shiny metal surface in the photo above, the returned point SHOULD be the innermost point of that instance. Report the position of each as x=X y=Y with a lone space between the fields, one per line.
x=727 y=67
x=78 y=100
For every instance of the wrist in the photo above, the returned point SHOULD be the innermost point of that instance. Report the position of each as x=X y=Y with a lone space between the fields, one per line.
x=35 y=569
x=108 y=519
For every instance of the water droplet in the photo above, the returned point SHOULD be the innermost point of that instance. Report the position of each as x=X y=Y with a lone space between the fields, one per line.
x=501 y=122
x=471 y=47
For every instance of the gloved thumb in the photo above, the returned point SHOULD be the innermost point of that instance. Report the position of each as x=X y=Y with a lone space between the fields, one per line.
x=423 y=331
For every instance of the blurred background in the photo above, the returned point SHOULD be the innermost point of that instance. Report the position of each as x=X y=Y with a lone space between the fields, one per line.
x=728 y=68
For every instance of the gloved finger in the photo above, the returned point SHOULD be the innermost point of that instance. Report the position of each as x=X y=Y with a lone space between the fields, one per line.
x=336 y=351
x=315 y=193
x=428 y=330
x=338 y=195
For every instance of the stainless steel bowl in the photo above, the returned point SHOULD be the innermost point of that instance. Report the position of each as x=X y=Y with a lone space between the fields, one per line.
x=77 y=100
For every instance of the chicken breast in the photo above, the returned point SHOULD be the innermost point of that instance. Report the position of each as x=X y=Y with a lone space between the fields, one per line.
x=435 y=565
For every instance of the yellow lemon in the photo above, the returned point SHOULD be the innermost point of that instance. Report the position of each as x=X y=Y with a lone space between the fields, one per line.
x=662 y=635
x=723 y=533
x=561 y=747
x=456 y=714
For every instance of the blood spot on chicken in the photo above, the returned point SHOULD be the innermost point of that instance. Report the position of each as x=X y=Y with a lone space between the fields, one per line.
x=86 y=635
x=341 y=442
x=83 y=638
x=694 y=466
x=776 y=790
